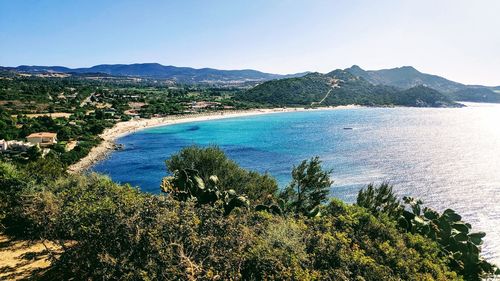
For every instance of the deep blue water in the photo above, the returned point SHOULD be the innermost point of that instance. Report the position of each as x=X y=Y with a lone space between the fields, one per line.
x=450 y=158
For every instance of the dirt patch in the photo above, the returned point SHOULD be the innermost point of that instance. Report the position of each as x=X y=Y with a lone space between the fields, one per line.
x=21 y=260
x=71 y=145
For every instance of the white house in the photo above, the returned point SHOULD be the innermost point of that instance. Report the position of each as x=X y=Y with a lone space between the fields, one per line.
x=3 y=145
x=15 y=145
x=43 y=139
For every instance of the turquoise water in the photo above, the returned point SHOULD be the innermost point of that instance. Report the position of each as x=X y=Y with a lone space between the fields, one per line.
x=450 y=158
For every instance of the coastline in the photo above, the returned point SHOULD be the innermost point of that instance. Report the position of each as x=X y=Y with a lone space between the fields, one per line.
x=121 y=129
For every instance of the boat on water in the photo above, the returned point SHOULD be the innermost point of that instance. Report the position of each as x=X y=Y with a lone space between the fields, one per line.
x=348 y=128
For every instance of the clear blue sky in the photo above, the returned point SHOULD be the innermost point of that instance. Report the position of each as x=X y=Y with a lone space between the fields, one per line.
x=456 y=39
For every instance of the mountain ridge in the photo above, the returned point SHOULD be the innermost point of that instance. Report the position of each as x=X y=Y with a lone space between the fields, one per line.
x=404 y=77
x=407 y=77
x=341 y=87
x=156 y=70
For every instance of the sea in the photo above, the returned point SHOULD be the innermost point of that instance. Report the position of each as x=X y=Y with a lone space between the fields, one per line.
x=448 y=157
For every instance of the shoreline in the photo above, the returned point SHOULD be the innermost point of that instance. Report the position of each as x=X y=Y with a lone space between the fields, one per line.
x=124 y=128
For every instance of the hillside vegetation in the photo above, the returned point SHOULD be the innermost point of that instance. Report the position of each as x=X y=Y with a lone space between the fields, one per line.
x=216 y=221
x=476 y=95
x=404 y=77
x=340 y=87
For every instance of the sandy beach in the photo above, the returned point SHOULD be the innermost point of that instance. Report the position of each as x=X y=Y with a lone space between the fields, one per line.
x=123 y=128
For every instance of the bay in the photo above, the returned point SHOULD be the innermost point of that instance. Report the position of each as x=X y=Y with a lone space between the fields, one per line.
x=450 y=158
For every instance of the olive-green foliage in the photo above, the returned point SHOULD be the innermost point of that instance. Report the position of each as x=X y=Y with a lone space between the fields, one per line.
x=347 y=243
x=279 y=253
x=18 y=185
x=115 y=232
x=212 y=161
x=12 y=183
x=453 y=236
x=122 y=234
x=309 y=188
x=34 y=153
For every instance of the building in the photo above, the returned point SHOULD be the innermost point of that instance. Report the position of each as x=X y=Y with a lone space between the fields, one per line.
x=17 y=146
x=43 y=139
x=198 y=105
x=3 y=145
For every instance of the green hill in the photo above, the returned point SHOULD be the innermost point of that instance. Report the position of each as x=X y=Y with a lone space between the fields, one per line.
x=476 y=95
x=340 y=87
x=292 y=91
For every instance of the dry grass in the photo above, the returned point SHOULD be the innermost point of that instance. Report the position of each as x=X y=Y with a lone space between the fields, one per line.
x=136 y=105
x=103 y=105
x=14 y=102
x=52 y=115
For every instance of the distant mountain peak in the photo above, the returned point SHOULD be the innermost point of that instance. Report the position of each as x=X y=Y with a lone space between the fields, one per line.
x=341 y=74
x=357 y=71
x=405 y=77
x=408 y=68
x=355 y=67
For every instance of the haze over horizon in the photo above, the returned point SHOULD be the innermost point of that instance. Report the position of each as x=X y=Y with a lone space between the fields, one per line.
x=453 y=39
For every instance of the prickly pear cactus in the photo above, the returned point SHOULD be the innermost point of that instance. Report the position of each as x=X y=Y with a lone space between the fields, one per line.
x=458 y=243
x=187 y=184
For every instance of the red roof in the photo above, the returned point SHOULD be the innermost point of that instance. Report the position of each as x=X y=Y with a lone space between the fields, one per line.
x=42 y=135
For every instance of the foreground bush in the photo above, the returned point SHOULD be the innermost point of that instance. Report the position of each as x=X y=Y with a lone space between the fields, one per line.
x=119 y=233
x=454 y=238
x=212 y=161
x=114 y=232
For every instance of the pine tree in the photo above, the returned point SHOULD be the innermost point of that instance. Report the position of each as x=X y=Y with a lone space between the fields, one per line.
x=309 y=188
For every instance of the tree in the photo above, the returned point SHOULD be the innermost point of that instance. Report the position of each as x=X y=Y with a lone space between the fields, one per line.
x=380 y=199
x=34 y=153
x=46 y=169
x=65 y=133
x=212 y=161
x=8 y=128
x=13 y=182
x=309 y=187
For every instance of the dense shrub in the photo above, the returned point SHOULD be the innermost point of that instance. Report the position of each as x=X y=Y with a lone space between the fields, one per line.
x=114 y=232
x=212 y=161
x=16 y=188
x=120 y=233
x=348 y=242
x=308 y=189
x=452 y=236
